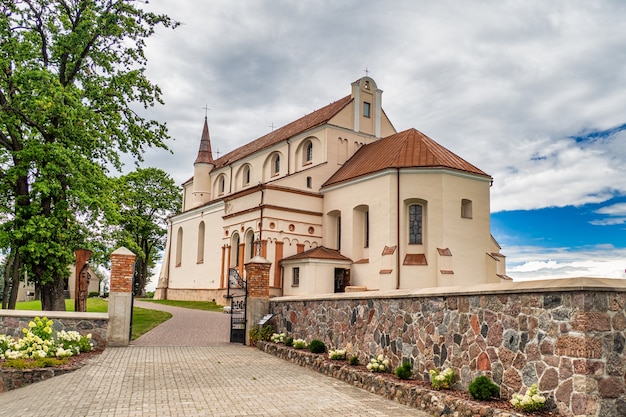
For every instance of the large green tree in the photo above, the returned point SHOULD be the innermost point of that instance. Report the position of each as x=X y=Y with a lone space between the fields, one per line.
x=145 y=197
x=71 y=81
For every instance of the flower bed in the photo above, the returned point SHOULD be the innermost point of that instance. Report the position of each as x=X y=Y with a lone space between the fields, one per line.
x=11 y=378
x=410 y=393
x=39 y=354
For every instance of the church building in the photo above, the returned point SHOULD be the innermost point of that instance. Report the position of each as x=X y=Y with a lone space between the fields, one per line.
x=336 y=201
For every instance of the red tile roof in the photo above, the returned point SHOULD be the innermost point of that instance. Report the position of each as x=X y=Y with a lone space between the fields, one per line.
x=317 y=118
x=320 y=252
x=408 y=149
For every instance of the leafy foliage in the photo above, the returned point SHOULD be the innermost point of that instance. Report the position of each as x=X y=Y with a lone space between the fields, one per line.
x=23 y=363
x=337 y=354
x=482 y=388
x=353 y=360
x=260 y=334
x=442 y=380
x=71 y=80
x=145 y=198
x=404 y=371
x=531 y=401
x=317 y=346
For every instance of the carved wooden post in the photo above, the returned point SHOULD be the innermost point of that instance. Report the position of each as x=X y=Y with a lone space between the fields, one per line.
x=121 y=297
x=81 y=288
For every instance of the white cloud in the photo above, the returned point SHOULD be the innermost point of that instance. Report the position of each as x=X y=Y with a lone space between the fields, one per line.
x=499 y=83
x=613 y=210
x=533 y=262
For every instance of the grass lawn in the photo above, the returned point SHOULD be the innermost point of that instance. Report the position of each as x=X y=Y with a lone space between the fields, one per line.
x=94 y=305
x=143 y=319
x=196 y=305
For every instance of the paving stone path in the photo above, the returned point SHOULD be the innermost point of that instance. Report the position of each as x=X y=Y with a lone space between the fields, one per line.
x=201 y=375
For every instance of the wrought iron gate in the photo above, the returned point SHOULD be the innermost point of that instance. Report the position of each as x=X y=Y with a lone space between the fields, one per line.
x=237 y=293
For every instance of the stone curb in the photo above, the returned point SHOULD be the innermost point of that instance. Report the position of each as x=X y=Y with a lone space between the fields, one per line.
x=11 y=379
x=436 y=403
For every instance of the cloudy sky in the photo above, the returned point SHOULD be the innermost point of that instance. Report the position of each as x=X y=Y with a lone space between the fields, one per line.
x=532 y=92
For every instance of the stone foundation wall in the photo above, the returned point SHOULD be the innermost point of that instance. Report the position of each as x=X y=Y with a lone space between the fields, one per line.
x=192 y=295
x=436 y=403
x=568 y=336
x=13 y=321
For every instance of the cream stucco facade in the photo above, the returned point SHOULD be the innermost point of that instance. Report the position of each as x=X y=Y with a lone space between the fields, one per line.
x=316 y=197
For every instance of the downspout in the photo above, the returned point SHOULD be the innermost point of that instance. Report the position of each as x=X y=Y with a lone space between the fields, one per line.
x=261 y=219
x=398 y=228
x=288 y=157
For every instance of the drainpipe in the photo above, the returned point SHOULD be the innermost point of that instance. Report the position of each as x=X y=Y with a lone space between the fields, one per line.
x=261 y=219
x=398 y=228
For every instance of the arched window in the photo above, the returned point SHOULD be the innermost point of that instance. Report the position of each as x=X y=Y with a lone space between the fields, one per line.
x=222 y=184
x=415 y=223
x=250 y=244
x=200 y=258
x=466 y=208
x=361 y=227
x=308 y=156
x=276 y=164
x=234 y=254
x=334 y=230
x=246 y=175
x=309 y=182
x=179 y=247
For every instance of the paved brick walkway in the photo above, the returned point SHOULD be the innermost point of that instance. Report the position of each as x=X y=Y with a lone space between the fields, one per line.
x=217 y=379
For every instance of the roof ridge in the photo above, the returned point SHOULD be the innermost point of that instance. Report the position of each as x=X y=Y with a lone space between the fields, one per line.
x=309 y=121
x=407 y=149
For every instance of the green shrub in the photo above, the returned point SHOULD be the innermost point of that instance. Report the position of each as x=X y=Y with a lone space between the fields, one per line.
x=23 y=363
x=93 y=294
x=404 y=371
x=260 y=333
x=289 y=341
x=353 y=360
x=317 y=346
x=482 y=388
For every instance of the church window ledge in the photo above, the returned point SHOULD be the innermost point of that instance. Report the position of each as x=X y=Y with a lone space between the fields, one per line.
x=418 y=259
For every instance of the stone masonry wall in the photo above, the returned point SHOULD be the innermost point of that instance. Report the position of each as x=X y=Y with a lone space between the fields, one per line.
x=12 y=322
x=569 y=342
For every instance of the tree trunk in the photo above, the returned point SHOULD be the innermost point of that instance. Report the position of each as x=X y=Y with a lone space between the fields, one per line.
x=6 y=288
x=11 y=281
x=140 y=277
x=53 y=295
x=16 y=266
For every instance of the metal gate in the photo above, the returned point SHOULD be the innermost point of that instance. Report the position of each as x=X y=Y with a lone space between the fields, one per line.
x=237 y=293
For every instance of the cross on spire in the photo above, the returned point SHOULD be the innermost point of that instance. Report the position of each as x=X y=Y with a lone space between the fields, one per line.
x=272 y=126
x=206 y=110
x=367 y=72
x=218 y=152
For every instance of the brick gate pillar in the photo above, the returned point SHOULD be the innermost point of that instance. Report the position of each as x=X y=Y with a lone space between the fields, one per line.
x=121 y=297
x=258 y=279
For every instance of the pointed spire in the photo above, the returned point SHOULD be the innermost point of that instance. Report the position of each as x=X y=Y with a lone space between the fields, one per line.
x=205 y=156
